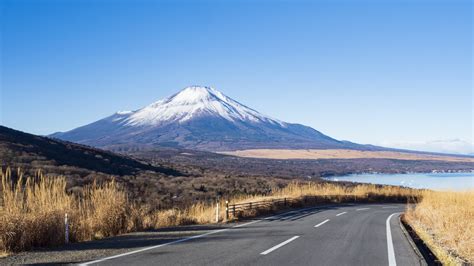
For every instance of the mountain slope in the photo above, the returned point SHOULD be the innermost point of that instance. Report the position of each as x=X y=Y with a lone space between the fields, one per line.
x=163 y=184
x=200 y=118
x=19 y=149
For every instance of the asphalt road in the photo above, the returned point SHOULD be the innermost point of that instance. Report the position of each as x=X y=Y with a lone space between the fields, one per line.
x=338 y=235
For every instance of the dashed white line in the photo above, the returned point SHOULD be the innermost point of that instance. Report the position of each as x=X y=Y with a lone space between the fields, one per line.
x=321 y=223
x=362 y=209
x=339 y=214
x=391 y=253
x=279 y=245
x=389 y=207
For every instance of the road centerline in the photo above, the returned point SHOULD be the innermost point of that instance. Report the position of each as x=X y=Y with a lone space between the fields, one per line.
x=339 y=214
x=279 y=245
x=362 y=209
x=321 y=223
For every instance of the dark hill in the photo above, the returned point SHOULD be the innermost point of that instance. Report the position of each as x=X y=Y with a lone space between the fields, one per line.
x=19 y=149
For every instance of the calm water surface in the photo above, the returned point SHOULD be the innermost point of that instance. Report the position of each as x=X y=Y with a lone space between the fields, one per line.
x=438 y=181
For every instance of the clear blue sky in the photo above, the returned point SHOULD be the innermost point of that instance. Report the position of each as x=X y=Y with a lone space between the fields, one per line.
x=365 y=71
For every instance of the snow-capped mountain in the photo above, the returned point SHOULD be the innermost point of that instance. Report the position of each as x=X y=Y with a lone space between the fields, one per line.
x=199 y=118
x=193 y=102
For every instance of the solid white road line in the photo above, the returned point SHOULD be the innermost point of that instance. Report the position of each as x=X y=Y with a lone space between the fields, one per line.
x=362 y=209
x=249 y=223
x=391 y=252
x=152 y=247
x=279 y=245
x=339 y=214
x=321 y=223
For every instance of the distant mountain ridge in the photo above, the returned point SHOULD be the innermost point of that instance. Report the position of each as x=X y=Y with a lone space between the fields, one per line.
x=200 y=118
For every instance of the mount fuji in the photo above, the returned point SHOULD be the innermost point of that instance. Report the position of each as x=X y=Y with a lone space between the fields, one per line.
x=200 y=118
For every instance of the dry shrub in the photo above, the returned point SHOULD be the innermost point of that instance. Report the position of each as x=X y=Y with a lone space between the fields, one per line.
x=336 y=193
x=139 y=218
x=32 y=211
x=444 y=220
x=310 y=193
x=171 y=217
x=327 y=189
x=198 y=213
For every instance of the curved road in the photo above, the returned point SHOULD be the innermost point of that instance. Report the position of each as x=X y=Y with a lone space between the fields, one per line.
x=355 y=234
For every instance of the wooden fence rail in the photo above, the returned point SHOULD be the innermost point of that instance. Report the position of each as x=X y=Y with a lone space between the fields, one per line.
x=236 y=210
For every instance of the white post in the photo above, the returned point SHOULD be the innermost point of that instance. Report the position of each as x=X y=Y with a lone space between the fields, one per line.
x=217 y=211
x=66 y=226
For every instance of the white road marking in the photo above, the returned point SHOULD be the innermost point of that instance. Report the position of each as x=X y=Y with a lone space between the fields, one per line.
x=180 y=240
x=279 y=245
x=285 y=213
x=321 y=223
x=194 y=237
x=362 y=209
x=339 y=214
x=390 y=207
x=391 y=252
x=249 y=223
x=152 y=247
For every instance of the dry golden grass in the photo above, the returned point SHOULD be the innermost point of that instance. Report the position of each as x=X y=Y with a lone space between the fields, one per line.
x=445 y=221
x=341 y=154
x=331 y=189
x=198 y=213
x=296 y=192
x=32 y=212
x=360 y=192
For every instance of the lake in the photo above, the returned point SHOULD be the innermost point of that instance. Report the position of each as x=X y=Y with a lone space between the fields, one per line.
x=435 y=181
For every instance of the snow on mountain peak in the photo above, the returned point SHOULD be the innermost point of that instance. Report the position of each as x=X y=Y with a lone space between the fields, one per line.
x=196 y=101
x=190 y=95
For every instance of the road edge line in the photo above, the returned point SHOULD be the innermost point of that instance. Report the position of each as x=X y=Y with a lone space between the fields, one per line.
x=153 y=247
x=391 y=251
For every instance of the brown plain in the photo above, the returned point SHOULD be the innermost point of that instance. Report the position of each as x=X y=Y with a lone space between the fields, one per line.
x=342 y=154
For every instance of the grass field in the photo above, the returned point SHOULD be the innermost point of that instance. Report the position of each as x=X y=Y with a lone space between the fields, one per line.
x=342 y=154
x=445 y=222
